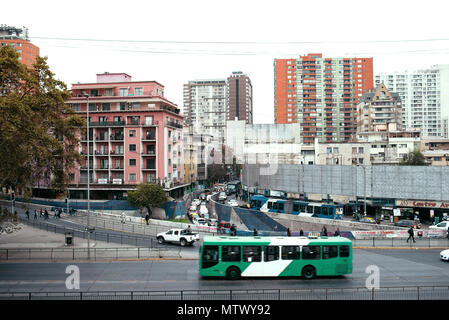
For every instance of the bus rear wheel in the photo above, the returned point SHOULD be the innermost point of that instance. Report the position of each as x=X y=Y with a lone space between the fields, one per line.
x=233 y=273
x=308 y=272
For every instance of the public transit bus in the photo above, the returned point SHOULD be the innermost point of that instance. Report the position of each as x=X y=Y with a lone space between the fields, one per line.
x=236 y=257
x=296 y=207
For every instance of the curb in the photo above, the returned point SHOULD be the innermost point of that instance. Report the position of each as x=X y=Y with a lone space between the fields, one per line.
x=401 y=248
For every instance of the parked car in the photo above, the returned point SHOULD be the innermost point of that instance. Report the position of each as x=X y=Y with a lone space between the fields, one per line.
x=441 y=226
x=367 y=220
x=200 y=221
x=233 y=203
x=408 y=224
x=222 y=196
x=444 y=255
x=183 y=236
x=203 y=210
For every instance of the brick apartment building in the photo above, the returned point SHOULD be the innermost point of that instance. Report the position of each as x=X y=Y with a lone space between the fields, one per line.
x=321 y=94
x=12 y=36
x=135 y=136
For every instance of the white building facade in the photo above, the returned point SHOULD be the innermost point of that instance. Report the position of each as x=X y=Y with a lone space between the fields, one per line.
x=425 y=98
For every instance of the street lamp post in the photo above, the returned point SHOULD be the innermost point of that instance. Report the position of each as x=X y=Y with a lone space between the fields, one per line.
x=364 y=189
x=356 y=197
x=88 y=179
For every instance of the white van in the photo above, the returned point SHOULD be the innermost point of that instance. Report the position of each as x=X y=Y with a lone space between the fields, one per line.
x=200 y=221
x=203 y=210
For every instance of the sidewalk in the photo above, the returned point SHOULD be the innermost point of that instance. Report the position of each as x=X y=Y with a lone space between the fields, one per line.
x=29 y=237
x=34 y=245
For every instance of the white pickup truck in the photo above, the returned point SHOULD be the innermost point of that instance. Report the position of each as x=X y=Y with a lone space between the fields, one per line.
x=183 y=236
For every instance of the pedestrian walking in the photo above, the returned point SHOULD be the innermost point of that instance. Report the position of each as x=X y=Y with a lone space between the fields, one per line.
x=337 y=232
x=147 y=217
x=233 y=230
x=324 y=231
x=27 y=214
x=411 y=233
x=301 y=233
x=289 y=234
x=45 y=214
x=255 y=233
x=122 y=216
x=35 y=214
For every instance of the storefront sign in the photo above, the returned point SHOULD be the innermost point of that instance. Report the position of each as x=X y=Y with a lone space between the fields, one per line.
x=422 y=204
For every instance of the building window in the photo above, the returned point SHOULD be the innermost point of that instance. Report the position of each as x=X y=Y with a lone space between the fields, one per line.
x=360 y=149
x=132 y=133
x=138 y=91
x=123 y=92
x=132 y=162
x=132 y=147
x=132 y=177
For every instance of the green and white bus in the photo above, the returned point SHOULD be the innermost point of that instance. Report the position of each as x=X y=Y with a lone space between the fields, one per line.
x=235 y=257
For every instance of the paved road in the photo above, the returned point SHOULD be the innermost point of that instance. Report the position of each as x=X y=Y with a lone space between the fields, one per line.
x=398 y=268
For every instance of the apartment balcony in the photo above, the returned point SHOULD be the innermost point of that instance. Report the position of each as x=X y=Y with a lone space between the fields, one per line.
x=148 y=154
x=150 y=124
x=101 y=153
x=117 y=168
x=107 y=124
x=117 y=138
x=173 y=124
x=149 y=138
x=149 y=168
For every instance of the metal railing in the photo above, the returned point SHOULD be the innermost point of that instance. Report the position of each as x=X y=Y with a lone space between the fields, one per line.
x=115 y=224
x=82 y=253
x=119 y=237
x=388 y=293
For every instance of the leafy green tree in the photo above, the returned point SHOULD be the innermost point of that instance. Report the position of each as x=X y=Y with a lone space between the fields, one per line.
x=147 y=195
x=413 y=158
x=216 y=172
x=37 y=129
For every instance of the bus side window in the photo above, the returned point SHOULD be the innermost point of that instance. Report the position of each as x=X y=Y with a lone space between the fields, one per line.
x=344 y=251
x=330 y=252
x=295 y=207
x=290 y=253
x=302 y=208
x=309 y=209
x=324 y=210
x=270 y=205
x=311 y=252
x=252 y=254
x=271 y=253
x=230 y=253
x=317 y=210
x=281 y=206
x=210 y=256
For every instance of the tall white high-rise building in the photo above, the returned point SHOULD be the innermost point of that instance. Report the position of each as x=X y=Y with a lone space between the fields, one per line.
x=205 y=106
x=425 y=98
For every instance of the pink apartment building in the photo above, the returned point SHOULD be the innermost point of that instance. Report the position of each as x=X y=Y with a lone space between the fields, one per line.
x=135 y=137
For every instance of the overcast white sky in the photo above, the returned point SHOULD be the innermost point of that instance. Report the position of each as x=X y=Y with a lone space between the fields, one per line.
x=265 y=30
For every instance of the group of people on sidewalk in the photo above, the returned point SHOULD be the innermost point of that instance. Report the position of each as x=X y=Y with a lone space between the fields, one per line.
x=42 y=214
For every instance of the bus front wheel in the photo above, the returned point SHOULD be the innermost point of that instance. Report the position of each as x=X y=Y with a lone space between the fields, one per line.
x=233 y=273
x=308 y=272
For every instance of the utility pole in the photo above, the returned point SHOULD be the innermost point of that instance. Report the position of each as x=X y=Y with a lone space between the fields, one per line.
x=88 y=178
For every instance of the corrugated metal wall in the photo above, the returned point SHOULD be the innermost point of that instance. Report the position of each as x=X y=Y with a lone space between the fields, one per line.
x=396 y=182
